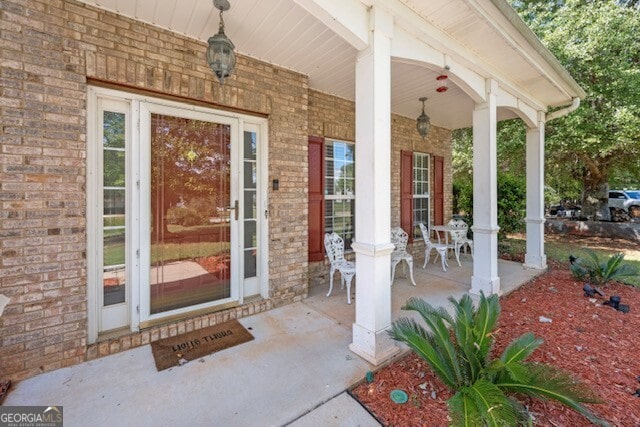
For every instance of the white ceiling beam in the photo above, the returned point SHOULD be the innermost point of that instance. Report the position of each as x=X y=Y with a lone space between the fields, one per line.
x=347 y=18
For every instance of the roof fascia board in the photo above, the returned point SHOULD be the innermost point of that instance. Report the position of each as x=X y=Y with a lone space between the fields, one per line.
x=533 y=43
x=347 y=18
x=423 y=30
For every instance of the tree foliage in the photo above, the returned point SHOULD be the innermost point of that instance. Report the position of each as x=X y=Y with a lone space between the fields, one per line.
x=599 y=143
x=597 y=42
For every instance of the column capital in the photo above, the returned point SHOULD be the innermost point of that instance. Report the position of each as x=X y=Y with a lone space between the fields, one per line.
x=372 y=250
x=485 y=230
x=535 y=220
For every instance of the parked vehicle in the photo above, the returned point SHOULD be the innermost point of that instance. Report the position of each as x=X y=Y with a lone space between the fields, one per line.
x=565 y=209
x=626 y=200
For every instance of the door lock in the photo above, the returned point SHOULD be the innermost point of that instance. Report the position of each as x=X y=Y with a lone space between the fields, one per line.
x=234 y=208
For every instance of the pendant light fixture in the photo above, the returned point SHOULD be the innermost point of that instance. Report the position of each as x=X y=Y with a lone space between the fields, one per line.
x=423 y=123
x=220 y=55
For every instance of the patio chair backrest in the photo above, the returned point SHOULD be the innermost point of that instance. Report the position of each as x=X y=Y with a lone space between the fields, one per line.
x=334 y=246
x=399 y=238
x=458 y=229
x=425 y=233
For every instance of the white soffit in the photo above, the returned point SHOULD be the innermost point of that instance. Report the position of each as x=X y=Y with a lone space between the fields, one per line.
x=283 y=33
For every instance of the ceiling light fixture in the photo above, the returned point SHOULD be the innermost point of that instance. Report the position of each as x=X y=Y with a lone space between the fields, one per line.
x=220 y=55
x=423 y=123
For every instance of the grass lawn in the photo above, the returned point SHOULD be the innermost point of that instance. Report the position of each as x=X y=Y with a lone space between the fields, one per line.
x=558 y=248
x=114 y=254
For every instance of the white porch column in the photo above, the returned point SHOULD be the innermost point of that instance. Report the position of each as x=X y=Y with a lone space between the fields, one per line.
x=372 y=243
x=535 y=257
x=485 y=196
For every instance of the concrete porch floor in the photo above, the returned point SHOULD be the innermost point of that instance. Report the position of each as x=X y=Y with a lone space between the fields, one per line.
x=295 y=372
x=433 y=285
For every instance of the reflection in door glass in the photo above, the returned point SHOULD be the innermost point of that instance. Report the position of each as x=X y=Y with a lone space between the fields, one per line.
x=190 y=222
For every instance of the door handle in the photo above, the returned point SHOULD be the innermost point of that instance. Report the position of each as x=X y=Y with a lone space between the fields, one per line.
x=235 y=209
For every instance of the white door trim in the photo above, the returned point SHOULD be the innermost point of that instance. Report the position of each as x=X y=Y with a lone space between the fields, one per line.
x=136 y=163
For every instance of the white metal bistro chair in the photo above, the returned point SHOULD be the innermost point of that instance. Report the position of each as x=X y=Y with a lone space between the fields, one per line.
x=458 y=232
x=400 y=238
x=334 y=246
x=441 y=249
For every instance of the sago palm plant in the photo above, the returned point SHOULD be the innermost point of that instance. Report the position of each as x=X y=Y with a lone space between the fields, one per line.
x=600 y=271
x=458 y=349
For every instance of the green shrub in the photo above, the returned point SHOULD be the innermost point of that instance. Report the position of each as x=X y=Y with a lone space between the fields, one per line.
x=512 y=202
x=186 y=217
x=483 y=387
x=463 y=198
x=600 y=271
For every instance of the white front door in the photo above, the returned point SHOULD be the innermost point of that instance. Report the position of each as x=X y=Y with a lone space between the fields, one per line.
x=190 y=208
x=176 y=210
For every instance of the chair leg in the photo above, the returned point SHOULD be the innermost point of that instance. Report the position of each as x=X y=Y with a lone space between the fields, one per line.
x=444 y=260
x=393 y=271
x=457 y=251
x=348 y=280
x=331 y=271
x=410 y=263
x=427 y=255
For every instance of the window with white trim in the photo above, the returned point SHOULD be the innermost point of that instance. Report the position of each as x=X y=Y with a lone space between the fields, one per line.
x=421 y=186
x=339 y=189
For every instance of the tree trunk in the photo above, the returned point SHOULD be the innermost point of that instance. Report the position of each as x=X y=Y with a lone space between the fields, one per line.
x=595 y=200
x=595 y=193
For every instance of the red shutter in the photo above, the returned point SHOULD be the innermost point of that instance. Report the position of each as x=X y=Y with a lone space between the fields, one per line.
x=438 y=190
x=406 y=192
x=316 y=198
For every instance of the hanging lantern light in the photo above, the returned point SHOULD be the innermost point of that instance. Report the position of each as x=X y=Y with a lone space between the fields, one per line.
x=423 y=123
x=220 y=55
x=442 y=80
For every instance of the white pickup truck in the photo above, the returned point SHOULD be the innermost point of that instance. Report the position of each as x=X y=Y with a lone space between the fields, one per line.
x=627 y=200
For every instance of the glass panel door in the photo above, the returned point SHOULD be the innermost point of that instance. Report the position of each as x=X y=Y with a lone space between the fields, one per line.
x=113 y=131
x=192 y=215
x=251 y=226
x=176 y=210
x=190 y=223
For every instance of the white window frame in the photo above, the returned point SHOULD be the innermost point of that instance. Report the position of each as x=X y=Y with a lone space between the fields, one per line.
x=338 y=197
x=414 y=187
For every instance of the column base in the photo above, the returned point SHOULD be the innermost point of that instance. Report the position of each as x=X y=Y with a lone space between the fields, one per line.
x=487 y=286
x=374 y=347
x=535 y=262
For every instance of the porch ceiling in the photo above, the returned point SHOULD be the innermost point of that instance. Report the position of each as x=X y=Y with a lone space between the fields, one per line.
x=283 y=33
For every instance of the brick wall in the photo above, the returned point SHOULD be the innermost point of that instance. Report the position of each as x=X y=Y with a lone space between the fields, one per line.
x=334 y=117
x=48 y=49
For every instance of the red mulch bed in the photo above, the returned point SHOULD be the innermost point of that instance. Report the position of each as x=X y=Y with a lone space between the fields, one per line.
x=595 y=343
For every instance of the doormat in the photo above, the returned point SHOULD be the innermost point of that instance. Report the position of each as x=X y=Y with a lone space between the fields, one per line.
x=180 y=349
